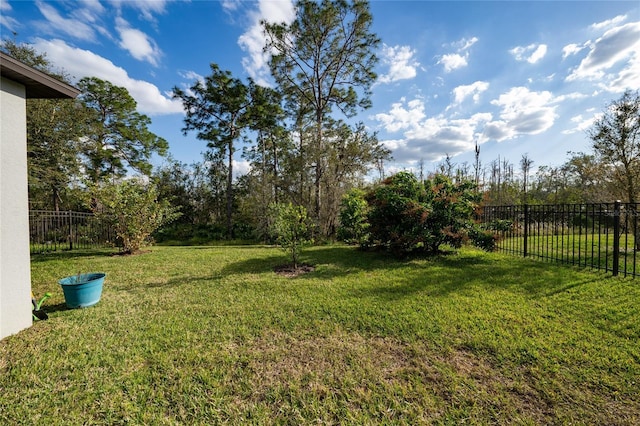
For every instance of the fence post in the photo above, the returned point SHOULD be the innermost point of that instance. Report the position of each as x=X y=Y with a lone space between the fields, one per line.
x=70 y=230
x=616 y=238
x=526 y=229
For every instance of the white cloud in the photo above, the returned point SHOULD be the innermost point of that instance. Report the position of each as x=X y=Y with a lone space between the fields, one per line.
x=83 y=63
x=440 y=135
x=429 y=138
x=465 y=43
x=572 y=49
x=6 y=21
x=628 y=78
x=581 y=124
x=401 y=117
x=609 y=23
x=253 y=40
x=147 y=8
x=461 y=93
x=56 y=23
x=401 y=62
x=191 y=75
x=394 y=144
x=522 y=113
x=532 y=53
x=453 y=61
x=615 y=46
x=230 y=5
x=240 y=168
x=88 y=10
x=137 y=43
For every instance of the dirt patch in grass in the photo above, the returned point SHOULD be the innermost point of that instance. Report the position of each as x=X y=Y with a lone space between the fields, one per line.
x=412 y=379
x=290 y=271
x=283 y=357
x=514 y=390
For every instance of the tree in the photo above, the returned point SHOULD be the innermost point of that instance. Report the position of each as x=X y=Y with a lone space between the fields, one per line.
x=616 y=140
x=350 y=151
x=118 y=136
x=54 y=127
x=292 y=229
x=525 y=166
x=133 y=209
x=265 y=179
x=319 y=61
x=590 y=179
x=218 y=110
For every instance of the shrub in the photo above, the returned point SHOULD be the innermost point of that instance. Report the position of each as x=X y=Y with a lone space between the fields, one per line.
x=486 y=240
x=133 y=209
x=354 y=226
x=406 y=215
x=292 y=229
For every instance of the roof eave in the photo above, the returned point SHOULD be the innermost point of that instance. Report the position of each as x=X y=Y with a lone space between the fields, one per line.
x=37 y=83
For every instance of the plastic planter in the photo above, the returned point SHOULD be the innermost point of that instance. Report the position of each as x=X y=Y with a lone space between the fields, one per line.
x=82 y=291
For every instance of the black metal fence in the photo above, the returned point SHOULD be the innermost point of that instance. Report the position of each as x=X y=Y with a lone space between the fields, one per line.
x=604 y=236
x=67 y=230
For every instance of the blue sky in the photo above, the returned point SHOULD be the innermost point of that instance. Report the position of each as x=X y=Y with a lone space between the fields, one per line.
x=518 y=77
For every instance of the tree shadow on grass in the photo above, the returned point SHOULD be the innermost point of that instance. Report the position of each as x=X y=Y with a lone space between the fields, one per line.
x=330 y=262
x=457 y=274
x=72 y=254
x=254 y=265
x=435 y=276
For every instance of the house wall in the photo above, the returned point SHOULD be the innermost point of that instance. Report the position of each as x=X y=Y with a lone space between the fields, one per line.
x=15 y=274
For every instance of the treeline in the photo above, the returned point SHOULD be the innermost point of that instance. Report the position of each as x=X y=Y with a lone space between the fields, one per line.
x=610 y=172
x=582 y=178
x=300 y=138
x=76 y=145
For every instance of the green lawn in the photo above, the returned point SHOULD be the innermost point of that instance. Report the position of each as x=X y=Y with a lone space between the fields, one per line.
x=206 y=335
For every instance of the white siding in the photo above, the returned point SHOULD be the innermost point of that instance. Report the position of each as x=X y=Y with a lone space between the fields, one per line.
x=15 y=274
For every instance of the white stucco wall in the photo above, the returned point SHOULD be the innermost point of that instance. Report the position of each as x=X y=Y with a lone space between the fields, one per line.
x=15 y=274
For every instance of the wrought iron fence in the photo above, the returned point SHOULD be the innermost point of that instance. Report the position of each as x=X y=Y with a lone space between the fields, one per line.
x=604 y=236
x=67 y=230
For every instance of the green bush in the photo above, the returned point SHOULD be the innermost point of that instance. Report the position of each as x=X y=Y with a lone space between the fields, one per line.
x=133 y=209
x=292 y=229
x=406 y=215
x=354 y=227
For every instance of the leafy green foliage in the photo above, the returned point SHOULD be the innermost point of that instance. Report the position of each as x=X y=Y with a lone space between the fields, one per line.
x=118 y=136
x=54 y=127
x=616 y=140
x=410 y=216
x=353 y=218
x=292 y=229
x=133 y=209
x=323 y=62
x=219 y=109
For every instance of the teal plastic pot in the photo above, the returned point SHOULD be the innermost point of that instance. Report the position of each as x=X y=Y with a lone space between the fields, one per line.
x=82 y=291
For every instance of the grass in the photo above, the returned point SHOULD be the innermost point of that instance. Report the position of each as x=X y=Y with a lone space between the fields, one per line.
x=207 y=335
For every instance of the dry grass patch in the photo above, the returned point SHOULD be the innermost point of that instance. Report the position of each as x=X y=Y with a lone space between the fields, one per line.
x=348 y=374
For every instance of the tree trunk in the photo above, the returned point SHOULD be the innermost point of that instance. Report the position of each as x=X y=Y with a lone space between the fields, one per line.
x=318 y=177
x=230 y=190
